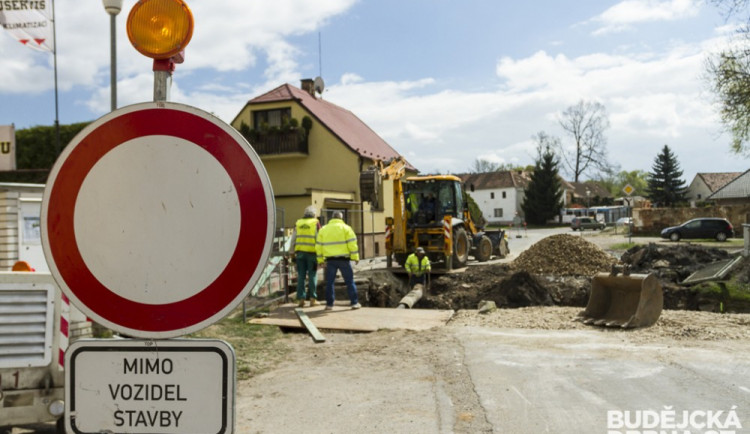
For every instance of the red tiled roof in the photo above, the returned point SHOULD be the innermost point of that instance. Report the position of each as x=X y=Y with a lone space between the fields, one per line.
x=500 y=179
x=714 y=181
x=340 y=122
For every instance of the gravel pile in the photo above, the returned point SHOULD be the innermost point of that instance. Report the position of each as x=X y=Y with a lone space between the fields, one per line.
x=564 y=255
x=672 y=324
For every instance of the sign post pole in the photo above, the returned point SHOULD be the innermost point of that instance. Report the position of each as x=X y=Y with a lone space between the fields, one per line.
x=157 y=220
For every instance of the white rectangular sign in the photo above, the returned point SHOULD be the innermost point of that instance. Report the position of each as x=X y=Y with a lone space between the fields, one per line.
x=144 y=386
x=7 y=147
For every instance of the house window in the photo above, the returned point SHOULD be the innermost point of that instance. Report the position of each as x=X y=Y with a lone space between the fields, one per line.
x=492 y=195
x=503 y=195
x=498 y=212
x=699 y=196
x=271 y=118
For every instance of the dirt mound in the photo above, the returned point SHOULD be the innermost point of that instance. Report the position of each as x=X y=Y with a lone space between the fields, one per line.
x=516 y=290
x=506 y=288
x=564 y=255
x=385 y=288
x=671 y=263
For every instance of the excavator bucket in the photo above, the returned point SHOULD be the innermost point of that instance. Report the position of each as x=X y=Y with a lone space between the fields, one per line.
x=627 y=300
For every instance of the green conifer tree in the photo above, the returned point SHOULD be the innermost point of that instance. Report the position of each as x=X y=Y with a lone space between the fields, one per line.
x=543 y=199
x=665 y=188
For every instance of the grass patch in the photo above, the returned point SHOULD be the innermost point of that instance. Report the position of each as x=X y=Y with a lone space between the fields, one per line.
x=730 y=290
x=257 y=347
x=732 y=296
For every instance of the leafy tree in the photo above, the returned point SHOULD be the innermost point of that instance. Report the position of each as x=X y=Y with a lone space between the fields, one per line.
x=543 y=199
x=665 y=187
x=585 y=123
x=729 y=73
x=614 y=183
x=475 y=212
x=35 y=152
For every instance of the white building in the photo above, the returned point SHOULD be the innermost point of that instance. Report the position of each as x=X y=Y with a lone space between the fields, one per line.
x=706 y=184
x=498 y=194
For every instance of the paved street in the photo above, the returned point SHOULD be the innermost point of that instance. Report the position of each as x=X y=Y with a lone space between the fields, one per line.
x=532 y=381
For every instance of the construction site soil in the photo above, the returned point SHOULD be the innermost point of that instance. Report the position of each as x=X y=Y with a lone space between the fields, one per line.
x=557 y=271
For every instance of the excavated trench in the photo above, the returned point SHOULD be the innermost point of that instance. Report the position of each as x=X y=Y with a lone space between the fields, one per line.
x=557 y=271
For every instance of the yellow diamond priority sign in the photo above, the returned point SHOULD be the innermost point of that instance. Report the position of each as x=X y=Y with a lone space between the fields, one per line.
x=628 y=189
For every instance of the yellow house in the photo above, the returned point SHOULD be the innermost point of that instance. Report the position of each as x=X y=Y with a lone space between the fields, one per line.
x=314 y=151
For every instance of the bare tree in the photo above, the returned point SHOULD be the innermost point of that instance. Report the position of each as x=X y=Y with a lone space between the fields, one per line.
x=585 y=123
x=544 y=142
x=481 y=165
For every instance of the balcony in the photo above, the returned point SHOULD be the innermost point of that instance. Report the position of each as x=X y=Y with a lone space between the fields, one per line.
x=279 y=143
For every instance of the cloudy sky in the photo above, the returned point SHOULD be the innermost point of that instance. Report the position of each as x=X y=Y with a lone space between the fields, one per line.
x=444 y=82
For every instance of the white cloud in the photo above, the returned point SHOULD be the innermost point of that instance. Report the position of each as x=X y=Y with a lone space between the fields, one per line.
x=625 y=14
x=653 y=98
x=228 y=36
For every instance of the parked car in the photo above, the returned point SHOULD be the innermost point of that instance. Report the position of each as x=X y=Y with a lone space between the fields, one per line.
x=624 y=221
x=581 y=223
x=709 y=227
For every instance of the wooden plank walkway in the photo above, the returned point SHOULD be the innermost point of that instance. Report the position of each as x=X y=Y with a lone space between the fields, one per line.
x=366 y=319
x=305 y=320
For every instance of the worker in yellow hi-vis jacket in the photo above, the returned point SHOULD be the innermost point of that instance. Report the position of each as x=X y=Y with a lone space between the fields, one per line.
x=336 y=246
x=417 y=266
x=303 y=246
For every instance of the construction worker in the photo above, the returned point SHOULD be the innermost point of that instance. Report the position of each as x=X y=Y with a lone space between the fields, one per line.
x=336 y=246
x=417 y=266
x=303 y=246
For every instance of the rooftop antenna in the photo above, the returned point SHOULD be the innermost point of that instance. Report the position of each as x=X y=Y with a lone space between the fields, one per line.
x=320 y=57
x=318 y=84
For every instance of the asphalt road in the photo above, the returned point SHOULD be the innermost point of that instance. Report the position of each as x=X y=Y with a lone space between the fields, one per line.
x=478 y=379
x=534 y=381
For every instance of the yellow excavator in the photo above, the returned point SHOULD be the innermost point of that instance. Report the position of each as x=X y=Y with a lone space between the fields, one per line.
x=431 y=212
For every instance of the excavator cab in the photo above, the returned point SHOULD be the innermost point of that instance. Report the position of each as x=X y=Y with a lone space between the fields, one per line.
x=429 y=199
x=623 y=300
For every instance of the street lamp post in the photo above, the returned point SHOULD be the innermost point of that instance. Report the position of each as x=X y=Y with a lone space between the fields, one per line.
x=113 y=7
x=588 y=200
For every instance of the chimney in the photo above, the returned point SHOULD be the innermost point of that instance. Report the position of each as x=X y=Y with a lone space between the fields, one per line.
x=308 y=85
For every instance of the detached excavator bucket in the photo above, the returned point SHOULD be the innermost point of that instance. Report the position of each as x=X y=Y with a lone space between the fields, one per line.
x=626 y=301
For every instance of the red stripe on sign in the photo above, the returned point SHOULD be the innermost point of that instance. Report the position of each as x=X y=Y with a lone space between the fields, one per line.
x=64 y=327
x=61 y=358
x=61 y=206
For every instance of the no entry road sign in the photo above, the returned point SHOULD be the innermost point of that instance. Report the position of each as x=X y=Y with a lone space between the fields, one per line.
x=157 y=219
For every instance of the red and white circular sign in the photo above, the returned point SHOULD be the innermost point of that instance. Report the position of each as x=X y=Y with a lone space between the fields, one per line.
x=157 y=220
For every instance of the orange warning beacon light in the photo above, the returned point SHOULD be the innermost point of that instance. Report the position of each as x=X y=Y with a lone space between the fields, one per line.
x=160 y=29
x=22 y=266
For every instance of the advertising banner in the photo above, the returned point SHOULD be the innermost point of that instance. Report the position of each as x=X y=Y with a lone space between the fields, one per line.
x=29 y=21
x=7 y=147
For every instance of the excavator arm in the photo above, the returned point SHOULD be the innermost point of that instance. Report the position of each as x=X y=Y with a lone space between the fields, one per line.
x=369 y=183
